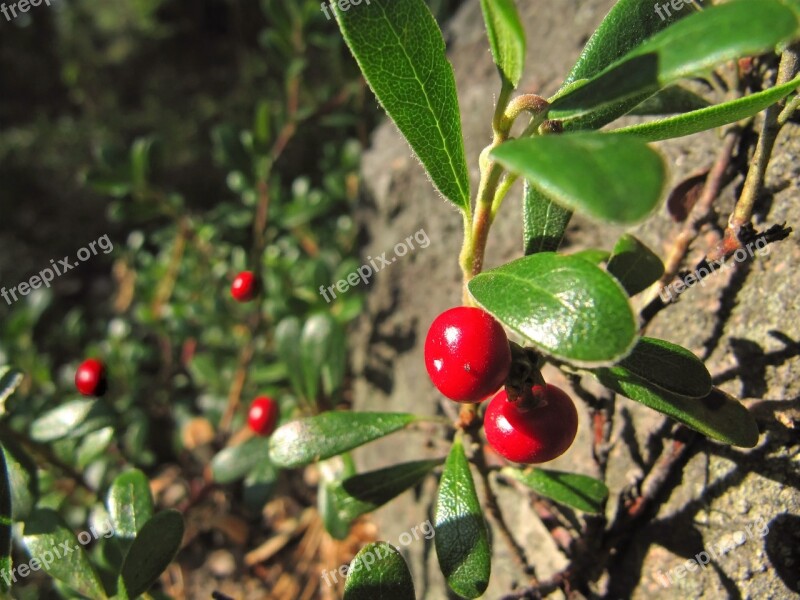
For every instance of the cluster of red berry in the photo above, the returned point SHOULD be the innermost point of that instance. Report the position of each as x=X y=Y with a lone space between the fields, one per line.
x=468 y=358
x=90 y=378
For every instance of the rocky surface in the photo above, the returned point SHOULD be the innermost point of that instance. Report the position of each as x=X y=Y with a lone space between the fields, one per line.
x=744 y=321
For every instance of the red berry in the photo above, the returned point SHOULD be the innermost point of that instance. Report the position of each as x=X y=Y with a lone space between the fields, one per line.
x=536 y=435
x=263 y=415
x=244 y=287
x=90 y=378
x=467 y=354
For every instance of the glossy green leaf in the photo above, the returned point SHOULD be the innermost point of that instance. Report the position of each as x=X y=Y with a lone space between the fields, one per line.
x=155 y=546
x=400 y=50
x=235 y=462
x=544 y=221
x=73 y=419
x=595 y=256
x=93 y=445
x=718 y=415
x=671 y=100
x=379 y=572
x=506 y=37
x=462 y=540
x=578 y=491
x=5 y=521
x=608 y=177
x=130 y=503
x=24 y=480
x=667 y=366
x=565 y=306
x=713 y=116
x=9 y=382
x=48 y=538
x=316 y=438
x=634 y=265
x=363 y=493
x=692 y=45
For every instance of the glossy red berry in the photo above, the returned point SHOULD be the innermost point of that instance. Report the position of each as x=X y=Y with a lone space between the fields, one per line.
x=536 y=435
x=244 y=287
x=467 y=354
x=263 y=415
x=90 y=378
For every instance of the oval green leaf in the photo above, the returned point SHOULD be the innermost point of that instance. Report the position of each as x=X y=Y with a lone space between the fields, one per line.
x=718 y=415
x=235 y=462
x=544 y=222
x=151 y=552
x=5 y=522
x=667 y=366
x=634 y=265
x=608 y=177
x=130 y=503
x=73 y=419
x=506 y=38
x=401 y=52
x=23 y=478
x=462 y=540
x=577 y=491
x=46 y=535
x=564 y=305
x=316 y=438
x=379 y=572
x=363 y=493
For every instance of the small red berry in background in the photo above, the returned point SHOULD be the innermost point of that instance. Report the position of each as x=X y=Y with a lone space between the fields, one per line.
x=537 y=435
x=244 y=287
x=263 y=415
x=467 y=354
x=90 y=378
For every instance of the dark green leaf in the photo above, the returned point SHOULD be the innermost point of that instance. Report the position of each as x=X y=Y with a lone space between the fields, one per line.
x=565 y=306
x=713 y=116
x=73 y=419
x=5 y=522
x=634 y=265
x=9 y=381
x=718 y=415
x=235 y=462
x=51 y=541
x=142 y=152
x=609 y=177
x=130 y=504
x=151 y=552
x=379 y=572
x=260 y=483
x=674 y=99
x=22 y=474
x=506 y=37
x=462 y=540
x=667 y=366
x=578 y=491
x=363 y=493
x=316 y=438
x=400 y=50
x=544 y=221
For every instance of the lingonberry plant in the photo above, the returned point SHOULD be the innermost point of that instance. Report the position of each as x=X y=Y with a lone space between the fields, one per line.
x=572 y=311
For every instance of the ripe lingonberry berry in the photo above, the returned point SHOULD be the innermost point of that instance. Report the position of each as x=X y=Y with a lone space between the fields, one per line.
x=535 y=435
x=90 y=378
x=263 y=415
x=244 y=287
x=467 y=354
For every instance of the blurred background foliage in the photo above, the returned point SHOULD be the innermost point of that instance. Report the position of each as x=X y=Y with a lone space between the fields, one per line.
x=203 y=138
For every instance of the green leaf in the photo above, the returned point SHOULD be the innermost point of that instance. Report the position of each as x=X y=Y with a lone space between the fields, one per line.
x=287 y=341
x=634 y=265
x=544 y=221
x=506 y=37
x=331 y=474
x=462 y=540
x=608 y=177
x=689 y=47
x=142 y=152
x=316 y=438
x=5 y=522
x=363 y=493
x=155 y=546
x=22 y=474
x=674 y=99
x=130 y=504
x=713 y=116
x=379 y=572
x=578 y=491
x=718 y=415
x=9 y=382
x=260 y=483
x=48 y=538
x=595 y=256
x=565 y=306
x=73 y=419
x=400 y=50
x=93 y=445
x=322 y=346
x=235 y=462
